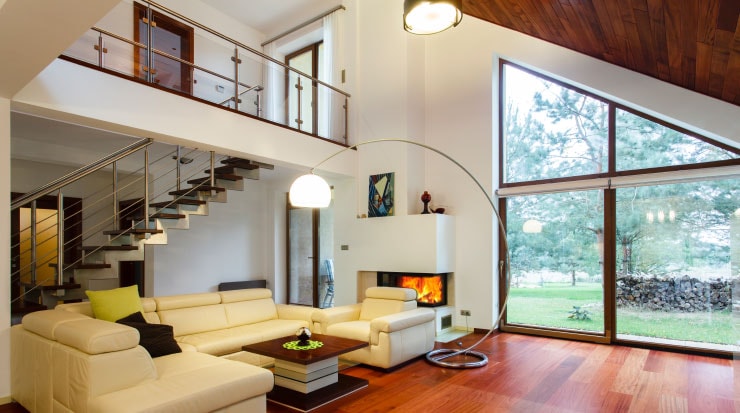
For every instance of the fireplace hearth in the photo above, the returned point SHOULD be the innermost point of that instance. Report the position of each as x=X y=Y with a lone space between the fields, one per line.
x=431 y=289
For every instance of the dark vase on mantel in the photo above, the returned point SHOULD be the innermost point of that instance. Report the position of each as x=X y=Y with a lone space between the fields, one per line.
x=426 y=198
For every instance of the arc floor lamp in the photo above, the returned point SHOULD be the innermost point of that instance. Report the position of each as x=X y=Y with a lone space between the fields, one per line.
x=311 y=190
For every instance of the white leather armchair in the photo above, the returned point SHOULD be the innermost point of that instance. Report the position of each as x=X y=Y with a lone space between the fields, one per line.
x=388 y=319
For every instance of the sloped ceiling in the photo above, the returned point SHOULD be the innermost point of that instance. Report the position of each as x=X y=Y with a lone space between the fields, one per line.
x=694 y=44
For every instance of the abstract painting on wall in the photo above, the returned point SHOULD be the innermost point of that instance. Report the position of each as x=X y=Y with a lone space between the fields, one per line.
x=380 y=198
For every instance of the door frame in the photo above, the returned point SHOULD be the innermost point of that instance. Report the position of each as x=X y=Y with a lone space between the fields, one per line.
x=315 y=217
x=187 y=43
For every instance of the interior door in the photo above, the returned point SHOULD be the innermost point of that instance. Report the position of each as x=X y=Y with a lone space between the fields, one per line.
x=303 y=253
x=169 y=36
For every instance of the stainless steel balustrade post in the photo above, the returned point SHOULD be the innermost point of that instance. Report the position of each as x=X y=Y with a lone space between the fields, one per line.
x=33 y=243
x=299 y=89
x=346 y=120
x=213 y=160
x=258 y=102
x=100 y=49
x=178 y=167
x=149 y=76
x=146 y=187
x=236 y=77
x=116 y=211
x=60 y=238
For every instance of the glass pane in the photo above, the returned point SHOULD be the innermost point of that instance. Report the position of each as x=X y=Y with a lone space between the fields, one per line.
x=300 y=239
x=678 y=256
x=215 y=57
x=168 y=72
x=300 y=92
x=551 y=131
x=642 y=143
x=326 y=263
x=556 y=247
x=250 y=84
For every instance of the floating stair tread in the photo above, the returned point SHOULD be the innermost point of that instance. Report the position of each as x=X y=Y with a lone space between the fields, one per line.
x=240 y=163
x=196 y=189
x=68 y=286
x=109 y=248
x=133 y=231
x=95 y=266
x=224 y=177
x=246 y=163
x=174 y=202
x=158 y=215
x=163 y=215
x=227 y=169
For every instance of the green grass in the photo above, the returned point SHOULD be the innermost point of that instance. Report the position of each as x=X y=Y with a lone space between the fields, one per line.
x=548 y=306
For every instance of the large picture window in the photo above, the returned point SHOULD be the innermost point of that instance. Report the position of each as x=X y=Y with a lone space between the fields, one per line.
x=621 y=226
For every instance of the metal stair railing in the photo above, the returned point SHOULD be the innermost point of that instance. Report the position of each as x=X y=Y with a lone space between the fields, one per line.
x=133 y=187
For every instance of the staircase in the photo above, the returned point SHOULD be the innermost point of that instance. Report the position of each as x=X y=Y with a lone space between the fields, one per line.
x=123 y=235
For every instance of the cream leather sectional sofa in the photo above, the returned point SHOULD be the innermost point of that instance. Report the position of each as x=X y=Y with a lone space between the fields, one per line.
x=64 y=360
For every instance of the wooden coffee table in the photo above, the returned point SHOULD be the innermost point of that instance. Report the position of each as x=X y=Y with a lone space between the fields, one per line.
x=307 y=379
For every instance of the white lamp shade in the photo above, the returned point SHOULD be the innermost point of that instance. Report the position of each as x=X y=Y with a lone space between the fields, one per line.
x=430 y=16
x=532 y=226
x=310 y=191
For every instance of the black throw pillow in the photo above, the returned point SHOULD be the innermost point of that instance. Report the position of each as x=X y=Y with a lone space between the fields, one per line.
x=157 y=339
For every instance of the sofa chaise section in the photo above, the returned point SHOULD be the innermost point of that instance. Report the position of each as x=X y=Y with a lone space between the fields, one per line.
x=67 y=362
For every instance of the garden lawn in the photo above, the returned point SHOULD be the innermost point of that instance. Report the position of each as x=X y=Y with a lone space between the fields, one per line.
x=548 y=306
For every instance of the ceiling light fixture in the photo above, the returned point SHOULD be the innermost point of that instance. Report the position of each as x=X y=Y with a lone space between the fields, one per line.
x=431 y=16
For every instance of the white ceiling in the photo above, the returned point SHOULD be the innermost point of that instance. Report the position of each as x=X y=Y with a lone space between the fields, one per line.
x=272 y=17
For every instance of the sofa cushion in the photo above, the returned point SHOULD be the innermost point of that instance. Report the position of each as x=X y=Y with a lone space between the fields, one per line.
x=378 y=307
x=250 y=311
x=174 y=302
x=221 y=342
x=157 y=339
x=94 y=336
x=189 y=382
x=45 y=323
x=391 y=293
x=231 y=340
x=111 y=305
x=357 y=330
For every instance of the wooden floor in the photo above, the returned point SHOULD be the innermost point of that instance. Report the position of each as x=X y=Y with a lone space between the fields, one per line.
x=534 y=374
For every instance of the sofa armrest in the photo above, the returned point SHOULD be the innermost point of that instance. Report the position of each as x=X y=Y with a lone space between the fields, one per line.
x=325 y=317
x=399 y=321
x=295 y=312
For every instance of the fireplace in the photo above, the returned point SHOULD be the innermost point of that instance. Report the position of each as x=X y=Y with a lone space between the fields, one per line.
x=431 y=289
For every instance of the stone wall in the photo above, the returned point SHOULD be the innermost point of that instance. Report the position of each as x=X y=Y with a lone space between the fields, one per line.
x=682 y=294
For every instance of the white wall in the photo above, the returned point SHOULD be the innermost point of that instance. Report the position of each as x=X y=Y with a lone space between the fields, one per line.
x=226 y=245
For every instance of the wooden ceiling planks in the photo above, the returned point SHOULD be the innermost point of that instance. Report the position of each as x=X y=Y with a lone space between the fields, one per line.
x=694 y=44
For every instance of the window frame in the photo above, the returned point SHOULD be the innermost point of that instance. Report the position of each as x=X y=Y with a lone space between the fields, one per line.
x=604 y=182
x=611 y=144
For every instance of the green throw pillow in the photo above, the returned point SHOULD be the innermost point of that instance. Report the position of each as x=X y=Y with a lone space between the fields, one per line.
x=112 y=305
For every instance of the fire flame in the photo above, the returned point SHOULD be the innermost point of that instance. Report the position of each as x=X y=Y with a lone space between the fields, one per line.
x=428 y=289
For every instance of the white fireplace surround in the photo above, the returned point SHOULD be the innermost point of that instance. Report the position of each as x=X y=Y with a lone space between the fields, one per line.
x=408 y=243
